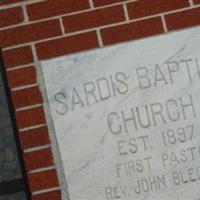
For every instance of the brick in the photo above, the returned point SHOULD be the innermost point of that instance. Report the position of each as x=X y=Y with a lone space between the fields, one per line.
x=183 y=19
x=4 y=2
x=55 y=195
x=52 y=8
x=67 y=45
x=145 y=8
x=132 y=31
x=30 y=117
x=26 y=97
x=33 y=138
x=92 y=19
x=43 y=180
x=29 y=33
x=21 y=77
x=17 y=56
x=106 y=2
x=11 y=16
x=38 y=159
x=196 y=1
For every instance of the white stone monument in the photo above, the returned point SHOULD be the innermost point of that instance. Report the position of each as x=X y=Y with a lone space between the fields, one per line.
x=127 y=118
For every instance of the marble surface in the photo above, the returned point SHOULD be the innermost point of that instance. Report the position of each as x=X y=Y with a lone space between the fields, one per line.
x=126 y=118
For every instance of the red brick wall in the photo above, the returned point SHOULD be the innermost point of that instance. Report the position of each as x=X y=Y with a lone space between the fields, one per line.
x=32 y=30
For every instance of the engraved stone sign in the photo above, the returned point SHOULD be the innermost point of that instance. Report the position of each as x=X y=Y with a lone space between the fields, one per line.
x=127 y=118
